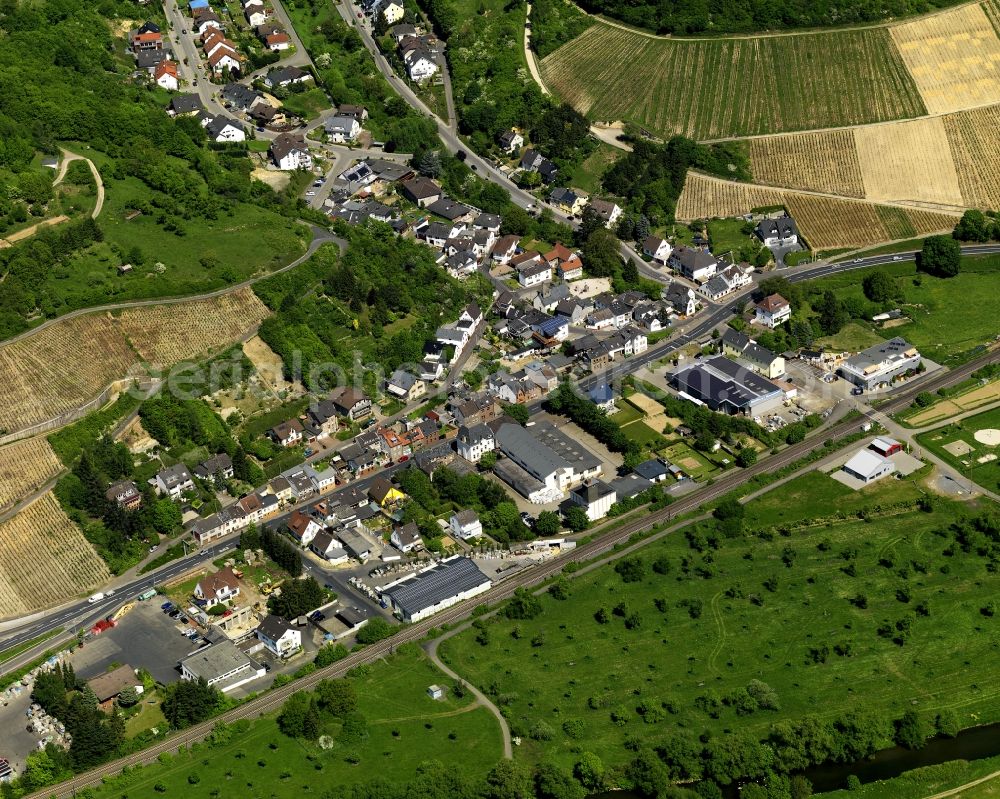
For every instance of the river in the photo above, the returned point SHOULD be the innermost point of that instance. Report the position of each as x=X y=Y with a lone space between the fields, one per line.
x=971 y=744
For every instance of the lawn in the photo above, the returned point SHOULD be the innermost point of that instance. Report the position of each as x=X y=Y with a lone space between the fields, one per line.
x=852 y=337
x=816 y=495
x=307 y=104
x=210 y=255
x=736 y=613
x=642 y=434
x=150 y=715
x=626 y=414
x=726 y=235
x=587 y=176
x=945 y=323
x=404 y=727
x=692 y=462
x=986 y=474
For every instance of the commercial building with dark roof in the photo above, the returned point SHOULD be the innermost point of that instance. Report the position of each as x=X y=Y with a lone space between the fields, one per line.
x=436 y=588
x=723 y=385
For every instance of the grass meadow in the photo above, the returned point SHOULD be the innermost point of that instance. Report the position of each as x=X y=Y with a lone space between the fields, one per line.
x=405 y=727
x=775 y=609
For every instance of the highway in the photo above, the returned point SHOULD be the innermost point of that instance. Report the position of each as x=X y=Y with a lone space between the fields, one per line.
x=600 y=545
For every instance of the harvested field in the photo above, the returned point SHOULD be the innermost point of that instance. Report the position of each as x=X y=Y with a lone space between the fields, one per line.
x=208 y=325
x=25 y=466
x=908 y=162
x=63 y=564
x=950 y=161
x=974 y=137
x=939 y=411
x=60 y=368
x=711 y=88
x=953 y=57
x=992 y=9
x=825 y=161
x=825 y=222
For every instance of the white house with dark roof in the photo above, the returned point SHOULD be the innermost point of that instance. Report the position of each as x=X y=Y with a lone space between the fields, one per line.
x=608 y=212
x=405 y=386
x=656 y=248
x=279 y=636
x=406 y=537
x=772 y=311
x=474 y=442
x=172 y=481
x=697 y=265
x=596 y=498
x=779 y=232
x=465 y=524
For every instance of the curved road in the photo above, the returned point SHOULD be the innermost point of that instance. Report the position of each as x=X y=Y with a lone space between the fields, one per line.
x=600 y=545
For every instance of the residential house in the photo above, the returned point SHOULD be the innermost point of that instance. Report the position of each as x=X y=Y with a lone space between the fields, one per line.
x=290 y=151
x=533 y=161
x=420 y=190
x=195 y=7
x=148 y=60
x=223 y=129
x=405 y=386
x=730 y=279
x=772 y=311
x=406 y=537
x=205 y=20
x=465 y=525
x=125 y=493
x=342 y=129
x=172 y=481
x=359 y=112
x=218 y=588
x=236 y=95
x=324 y=416
x=680 y=298
x=286 y=76
x=461 y=264
x=779 y=232
x=420 y=63
x=608 y=212
x=351 y=402
x=603 y=396
x=742 y=348
x=451 y=210
x=303 y=527
x=697 y=265
x=146 y=37
x=384 y=494
x=510 y=141
x=329 y=547
x=216 y=466
x=474 y=442
x=596 y=498
x=655 y=470
x=288 y=433
x=650 y=317
x=110 y=684
x=276 y=42
x=567 y=200
x=279 y=636
x=165 y=76
x=184 y=105
x=400 y=32
x=255 y=13
x=567 y=263
x=533 y=272
x=505 y=247
x=392 y=12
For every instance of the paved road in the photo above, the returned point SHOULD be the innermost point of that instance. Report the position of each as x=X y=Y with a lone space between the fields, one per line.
x=600 y=545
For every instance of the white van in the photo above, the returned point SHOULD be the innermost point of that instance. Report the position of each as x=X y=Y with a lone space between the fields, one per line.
x=95 y=598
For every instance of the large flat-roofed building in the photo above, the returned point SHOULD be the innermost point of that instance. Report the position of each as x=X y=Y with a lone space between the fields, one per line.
x=223 y=665
x=881 y=363
x=868 y=466
x=548 y=455
x=436 y=588
x=725 y=386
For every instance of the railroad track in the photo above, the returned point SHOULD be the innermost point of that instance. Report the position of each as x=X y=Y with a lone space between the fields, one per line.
x=273 y=699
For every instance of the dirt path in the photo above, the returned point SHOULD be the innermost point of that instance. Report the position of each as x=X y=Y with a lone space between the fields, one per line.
x=431 y=648
x=69 y=157
x=960 y=788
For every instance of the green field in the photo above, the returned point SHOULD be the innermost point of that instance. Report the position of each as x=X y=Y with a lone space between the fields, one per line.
x=986 y=474
x=773 y=610
x=945 y=323
x=307 y=104
x=404 y=728
x=684 y=456
x=711 y=88
x=587 y=176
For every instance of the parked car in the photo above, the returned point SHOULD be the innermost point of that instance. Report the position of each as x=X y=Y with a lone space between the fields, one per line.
x=310 y=194
x=166 y=606
x=267 y=666
x=857 y=390
x=154 y=547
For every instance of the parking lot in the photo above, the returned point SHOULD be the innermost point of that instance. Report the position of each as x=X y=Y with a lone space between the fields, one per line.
x=145 y=638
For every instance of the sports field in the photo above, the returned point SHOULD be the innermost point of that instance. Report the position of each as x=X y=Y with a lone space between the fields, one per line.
x=825 y=222
x=949 y=162
x=399 y=727
x=977 y=457
x=779 y=611
x=711 y=88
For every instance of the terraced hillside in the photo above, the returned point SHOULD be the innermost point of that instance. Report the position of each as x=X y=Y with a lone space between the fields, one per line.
x=67 y=364
x=756 y=85
x=949 y=161
x=63 y=562
x=714 y=88
x=825 y=222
